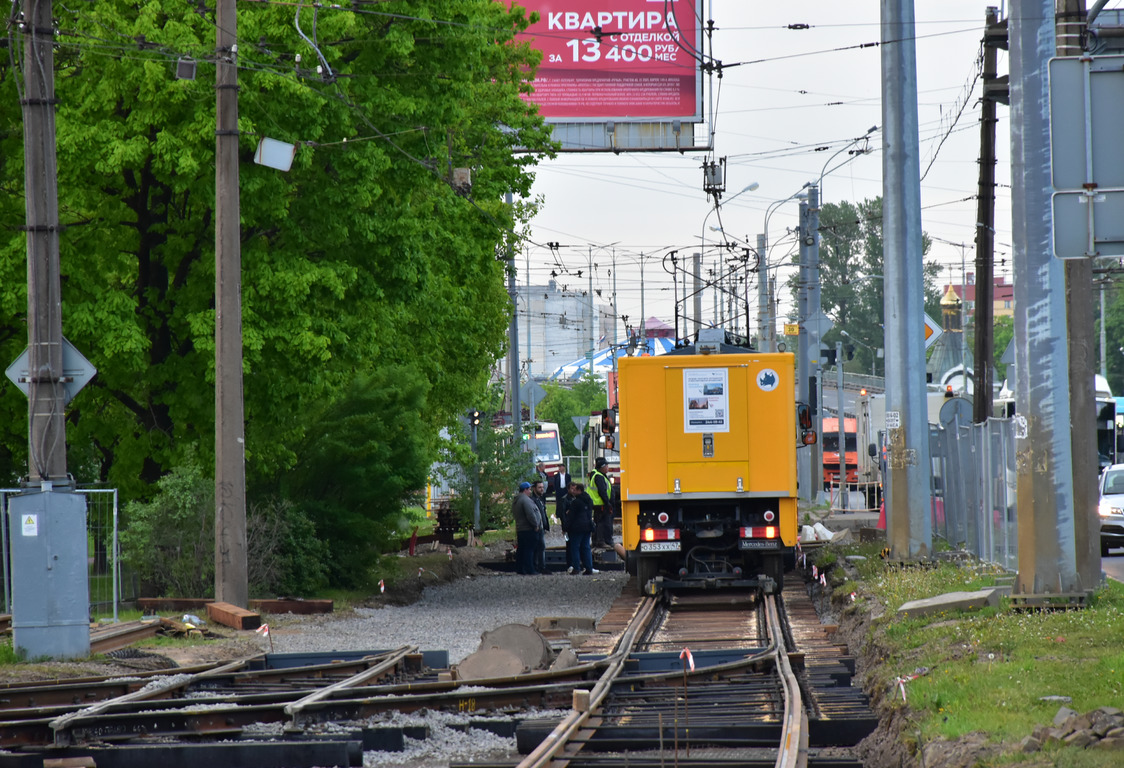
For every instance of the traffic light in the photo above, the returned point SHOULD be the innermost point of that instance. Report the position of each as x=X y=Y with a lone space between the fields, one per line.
x=828 y=356
x=849 y=351
x=474 y=418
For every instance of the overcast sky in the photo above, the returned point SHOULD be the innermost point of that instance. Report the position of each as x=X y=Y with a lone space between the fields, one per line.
x=799 y=97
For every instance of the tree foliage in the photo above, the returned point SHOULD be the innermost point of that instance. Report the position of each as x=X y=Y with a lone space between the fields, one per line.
x=561 y=403
x=498 y=463
x=363 y=255
x=363 y=455
x=852 y=273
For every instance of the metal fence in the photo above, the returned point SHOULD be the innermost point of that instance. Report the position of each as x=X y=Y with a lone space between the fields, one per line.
x=107 y=588
x=974 y=488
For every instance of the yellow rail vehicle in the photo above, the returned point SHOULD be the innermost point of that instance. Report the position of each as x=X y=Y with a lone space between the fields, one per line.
x=708 y=466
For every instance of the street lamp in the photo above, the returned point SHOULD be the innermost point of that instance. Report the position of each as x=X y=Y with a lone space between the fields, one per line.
x=864 y=151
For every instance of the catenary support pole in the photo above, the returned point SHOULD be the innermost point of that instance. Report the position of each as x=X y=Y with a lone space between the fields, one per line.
x=513 y=334
x=1043 y=462
x=1082 y=376
x=808 y=483
x=231 y=557
x=765 y=325
x=908 y=503
x=811 y=235
x=842 y=426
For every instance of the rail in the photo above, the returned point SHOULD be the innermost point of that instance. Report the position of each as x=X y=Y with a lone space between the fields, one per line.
x=793 y=750
x=547 y=753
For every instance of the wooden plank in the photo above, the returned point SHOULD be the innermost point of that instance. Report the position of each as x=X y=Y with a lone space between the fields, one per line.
x=292 y=605
x=230 y=615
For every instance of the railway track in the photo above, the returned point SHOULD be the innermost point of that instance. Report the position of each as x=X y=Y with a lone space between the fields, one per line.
x=768 y=687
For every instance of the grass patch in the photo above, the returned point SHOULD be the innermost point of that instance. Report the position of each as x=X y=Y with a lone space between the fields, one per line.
x=988 y=670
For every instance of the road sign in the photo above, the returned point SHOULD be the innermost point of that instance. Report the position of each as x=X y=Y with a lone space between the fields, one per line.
x=531 y=393
x=791 y=329
x=1086 y=165
x=933 y=331
x=580 y=422
x=76 y=371
x=818 y=324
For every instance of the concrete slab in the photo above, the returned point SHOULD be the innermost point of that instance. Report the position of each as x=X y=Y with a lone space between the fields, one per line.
x=951 y=601
x=526 y=643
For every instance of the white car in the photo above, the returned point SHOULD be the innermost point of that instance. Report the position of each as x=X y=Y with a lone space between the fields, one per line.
x=1112 y=508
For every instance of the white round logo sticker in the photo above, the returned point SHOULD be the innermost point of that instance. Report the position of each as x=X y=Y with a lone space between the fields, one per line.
x=767 y=380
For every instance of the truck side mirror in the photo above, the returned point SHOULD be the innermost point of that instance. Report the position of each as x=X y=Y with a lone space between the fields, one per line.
x=872 y=450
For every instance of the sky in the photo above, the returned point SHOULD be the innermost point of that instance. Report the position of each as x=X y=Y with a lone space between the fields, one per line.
x=796 y=98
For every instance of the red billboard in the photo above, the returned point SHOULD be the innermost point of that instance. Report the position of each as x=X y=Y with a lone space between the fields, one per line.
x=617 y=59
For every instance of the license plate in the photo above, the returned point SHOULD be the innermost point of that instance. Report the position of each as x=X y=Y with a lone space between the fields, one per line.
x=659 y=546
x=758 y=544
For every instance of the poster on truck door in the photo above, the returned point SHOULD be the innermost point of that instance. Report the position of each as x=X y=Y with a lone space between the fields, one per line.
x=706 y=400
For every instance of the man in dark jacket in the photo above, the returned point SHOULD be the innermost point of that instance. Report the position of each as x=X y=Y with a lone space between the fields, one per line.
x=558 y=486
x=600 y=491
x=538 y=495
x=579 y=526
x=527 y=526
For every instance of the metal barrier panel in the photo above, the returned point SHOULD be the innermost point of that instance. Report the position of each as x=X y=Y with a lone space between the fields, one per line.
x=973 y=489
x=103 y=551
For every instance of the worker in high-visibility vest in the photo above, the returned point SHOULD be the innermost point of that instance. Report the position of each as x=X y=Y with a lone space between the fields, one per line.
x=600 y=490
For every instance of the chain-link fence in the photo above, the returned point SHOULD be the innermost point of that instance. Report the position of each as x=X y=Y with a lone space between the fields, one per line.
x=109 y=584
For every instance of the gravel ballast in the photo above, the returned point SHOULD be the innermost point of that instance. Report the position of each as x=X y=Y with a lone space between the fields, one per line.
x=452 y=616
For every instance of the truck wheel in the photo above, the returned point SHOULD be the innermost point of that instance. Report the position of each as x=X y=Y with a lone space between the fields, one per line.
x=630 y=562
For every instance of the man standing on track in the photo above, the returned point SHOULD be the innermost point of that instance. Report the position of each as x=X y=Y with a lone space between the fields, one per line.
x=527 y=526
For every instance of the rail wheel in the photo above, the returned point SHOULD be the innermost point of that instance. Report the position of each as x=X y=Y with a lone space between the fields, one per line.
x=773 y=567
x=647 y=568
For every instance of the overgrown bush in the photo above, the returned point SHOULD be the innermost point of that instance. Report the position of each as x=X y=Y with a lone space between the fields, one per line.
x=169 y=542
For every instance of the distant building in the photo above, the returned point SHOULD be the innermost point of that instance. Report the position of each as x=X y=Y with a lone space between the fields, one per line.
x=556 y=327
x=1002 y=296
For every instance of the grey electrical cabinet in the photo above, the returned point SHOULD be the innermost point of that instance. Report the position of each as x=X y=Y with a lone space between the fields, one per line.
x=50 y=583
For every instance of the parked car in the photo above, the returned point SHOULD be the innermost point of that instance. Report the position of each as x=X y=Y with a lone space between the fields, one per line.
x=1112 y=508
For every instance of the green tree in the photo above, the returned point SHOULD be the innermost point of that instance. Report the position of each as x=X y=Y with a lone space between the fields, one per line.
x=365 y=455
x=499 y=465
x=561 y=403
x=363 y=255
x=1003 y=330
x=852 y=273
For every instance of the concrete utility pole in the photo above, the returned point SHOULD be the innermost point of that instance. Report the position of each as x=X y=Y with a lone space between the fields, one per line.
x=696 y=268
x=592 y=314
x=908 y=505
x=1079 y=324
x=842 y=428
x=50 y=588
x=231 y=557
x=46 y=403
x=513 y=337
x=803 y=367
x=765 y=325
x=1047 y=555
x=995 y=35
x=810 y=233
